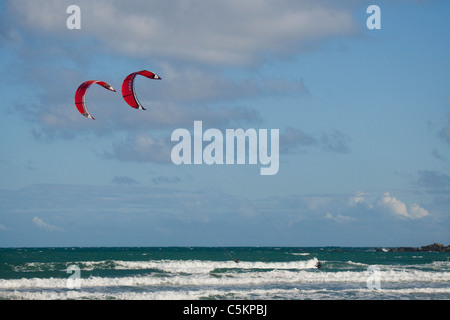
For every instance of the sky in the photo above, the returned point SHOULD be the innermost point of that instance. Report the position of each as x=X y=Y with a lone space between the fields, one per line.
x=363 y=116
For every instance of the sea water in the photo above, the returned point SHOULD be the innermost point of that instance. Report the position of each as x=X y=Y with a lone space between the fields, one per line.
x=262 y=273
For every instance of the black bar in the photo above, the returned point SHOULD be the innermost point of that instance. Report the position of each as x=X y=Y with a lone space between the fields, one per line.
x=221 y=309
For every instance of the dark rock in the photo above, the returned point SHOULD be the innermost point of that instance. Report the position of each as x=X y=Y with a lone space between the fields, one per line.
x=404 y=249
x=435 y=247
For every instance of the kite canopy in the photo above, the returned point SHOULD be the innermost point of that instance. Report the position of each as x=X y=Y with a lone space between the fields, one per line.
x=80 y=95
x=128 y=87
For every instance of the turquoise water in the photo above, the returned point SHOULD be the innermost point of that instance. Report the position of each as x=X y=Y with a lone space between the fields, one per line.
x=211 y=273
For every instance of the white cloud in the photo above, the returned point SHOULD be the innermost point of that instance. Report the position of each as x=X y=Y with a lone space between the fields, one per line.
x=358 y=198
x=339 y=218
x=317 y=203
x=188 y=43
x=224 y=32
x=41 y=224
x=141 y=148
x=127 y=209
x=399 y=208
x=416 y=212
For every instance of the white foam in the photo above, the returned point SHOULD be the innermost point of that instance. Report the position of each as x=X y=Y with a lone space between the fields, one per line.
x=357 y=264
x=198 y=266
x=243 y=294
x=234 y=277
x=160 y=295
x=173 y=266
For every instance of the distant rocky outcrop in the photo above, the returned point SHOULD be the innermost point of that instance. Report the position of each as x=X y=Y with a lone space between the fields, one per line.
x=435 y=247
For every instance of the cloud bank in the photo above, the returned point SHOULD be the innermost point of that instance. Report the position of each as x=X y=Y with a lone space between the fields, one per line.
x=400 y=209
x=206 y=52
x=41 y=224
x=222 y=32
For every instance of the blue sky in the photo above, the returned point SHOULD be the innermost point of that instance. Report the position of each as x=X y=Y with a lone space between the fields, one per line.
x=363 y=116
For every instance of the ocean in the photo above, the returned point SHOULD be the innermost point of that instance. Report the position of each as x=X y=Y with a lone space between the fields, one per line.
x=213 y=273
